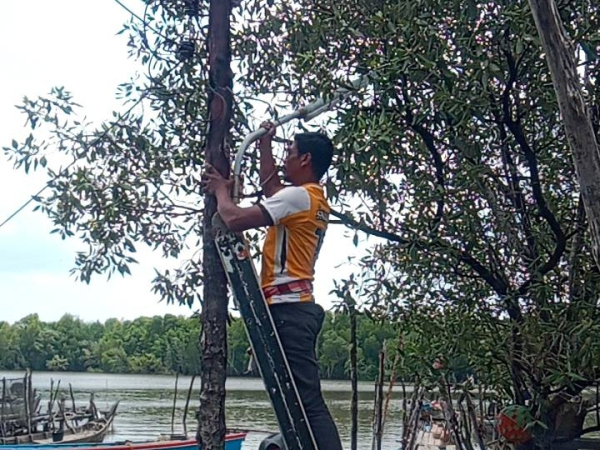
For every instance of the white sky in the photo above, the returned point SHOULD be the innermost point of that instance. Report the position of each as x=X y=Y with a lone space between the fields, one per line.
x=73 y=43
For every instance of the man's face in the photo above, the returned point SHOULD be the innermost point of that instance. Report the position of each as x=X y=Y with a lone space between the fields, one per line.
x=291 y=164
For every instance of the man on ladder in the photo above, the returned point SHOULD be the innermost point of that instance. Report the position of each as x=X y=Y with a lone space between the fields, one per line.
x=297 y=217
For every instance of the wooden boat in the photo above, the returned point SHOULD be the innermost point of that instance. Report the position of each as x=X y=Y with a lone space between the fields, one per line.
x=434 y=436
x=94 y=430
x=233 y=441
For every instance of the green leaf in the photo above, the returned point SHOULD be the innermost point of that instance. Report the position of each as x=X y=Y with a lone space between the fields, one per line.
x=590 y=51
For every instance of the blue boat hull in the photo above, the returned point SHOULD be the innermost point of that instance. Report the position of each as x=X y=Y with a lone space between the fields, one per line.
x=232 y=442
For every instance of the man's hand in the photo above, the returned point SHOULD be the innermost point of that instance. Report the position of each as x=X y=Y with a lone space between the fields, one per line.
x=269 y=180
x=270 y=134
x=212 y=182
x=235 y=218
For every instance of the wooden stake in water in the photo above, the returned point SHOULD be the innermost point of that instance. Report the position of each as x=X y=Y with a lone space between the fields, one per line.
x=474 y=422
x=72 y=398
x=378 y=407
x=27 y=404
x=50 y=404
x=353 y=376
x=31 y=398
x=174 y=403
x=187 y=404
x=388 y=396
x=3 y=406
x=53 y=397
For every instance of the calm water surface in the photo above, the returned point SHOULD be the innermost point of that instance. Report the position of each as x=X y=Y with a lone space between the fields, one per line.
x=147 y=404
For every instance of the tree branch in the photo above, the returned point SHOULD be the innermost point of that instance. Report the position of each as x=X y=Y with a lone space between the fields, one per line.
x=463 y=256
x=429 y=140
x=516 y=129
x=538 y=195
x=512 y=176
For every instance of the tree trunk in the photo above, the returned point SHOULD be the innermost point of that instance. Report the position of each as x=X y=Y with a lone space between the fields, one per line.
x=576 y=117
x=211 y=429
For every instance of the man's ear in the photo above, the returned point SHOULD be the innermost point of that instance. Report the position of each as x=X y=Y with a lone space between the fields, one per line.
x=305 y=159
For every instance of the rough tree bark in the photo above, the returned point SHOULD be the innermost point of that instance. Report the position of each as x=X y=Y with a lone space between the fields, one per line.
x=560 y=55
x=211 y=429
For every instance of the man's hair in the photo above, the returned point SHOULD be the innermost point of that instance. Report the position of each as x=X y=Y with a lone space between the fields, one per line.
x=320 y=148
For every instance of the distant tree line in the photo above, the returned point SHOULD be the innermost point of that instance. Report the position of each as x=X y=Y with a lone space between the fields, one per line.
x=168 y=344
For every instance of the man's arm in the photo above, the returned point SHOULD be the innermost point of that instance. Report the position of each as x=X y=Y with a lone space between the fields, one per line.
x=269 y=178
x=237 y=218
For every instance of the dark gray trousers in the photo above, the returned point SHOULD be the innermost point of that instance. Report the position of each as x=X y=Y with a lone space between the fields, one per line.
x=298 y=325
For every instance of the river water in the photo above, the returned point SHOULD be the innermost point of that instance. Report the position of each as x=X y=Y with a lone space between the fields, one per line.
x=146 y=405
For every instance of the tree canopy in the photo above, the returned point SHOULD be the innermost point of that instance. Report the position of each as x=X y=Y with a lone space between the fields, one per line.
x=169 y=344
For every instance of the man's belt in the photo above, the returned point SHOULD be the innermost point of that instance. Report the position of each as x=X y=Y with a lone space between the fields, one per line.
x=293 y=287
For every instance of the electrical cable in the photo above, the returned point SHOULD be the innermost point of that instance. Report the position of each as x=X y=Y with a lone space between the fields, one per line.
x=96 y=141
x=122 y=5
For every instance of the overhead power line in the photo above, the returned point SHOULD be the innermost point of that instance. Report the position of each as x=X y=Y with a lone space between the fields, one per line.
x=141 y=19
x=94 y=142
x=63 y=171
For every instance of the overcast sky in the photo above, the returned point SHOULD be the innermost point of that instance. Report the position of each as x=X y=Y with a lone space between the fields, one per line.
x=73 y=43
